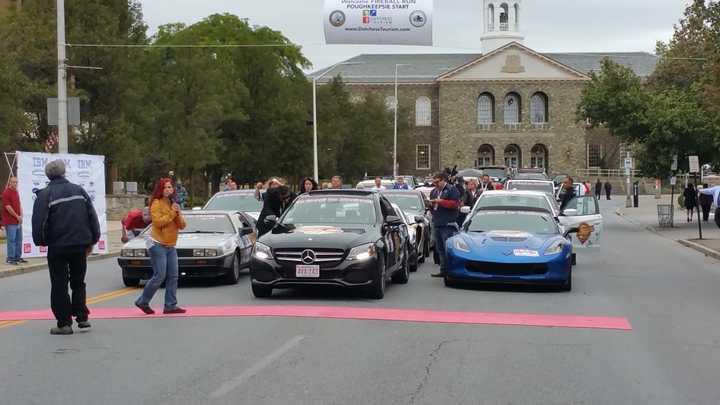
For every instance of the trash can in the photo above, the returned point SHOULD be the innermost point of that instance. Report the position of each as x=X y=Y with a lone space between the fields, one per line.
x=665 y=215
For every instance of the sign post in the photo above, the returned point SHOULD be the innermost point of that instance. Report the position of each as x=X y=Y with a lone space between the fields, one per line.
x=628 y=168
x=673 y=182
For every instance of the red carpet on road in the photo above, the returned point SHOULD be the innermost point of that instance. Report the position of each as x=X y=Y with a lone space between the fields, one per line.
x=354 y=313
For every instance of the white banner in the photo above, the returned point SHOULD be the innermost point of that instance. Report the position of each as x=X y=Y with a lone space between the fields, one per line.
x=88 y=171
x=380 y=22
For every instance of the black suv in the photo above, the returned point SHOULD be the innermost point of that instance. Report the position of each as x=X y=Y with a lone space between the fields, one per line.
x=348 y=238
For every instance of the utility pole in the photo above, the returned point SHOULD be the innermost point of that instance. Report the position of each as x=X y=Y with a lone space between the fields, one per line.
x=62 y=80
x=628 y=183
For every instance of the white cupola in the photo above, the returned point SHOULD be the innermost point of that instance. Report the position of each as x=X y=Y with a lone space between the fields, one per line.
x=502 y=23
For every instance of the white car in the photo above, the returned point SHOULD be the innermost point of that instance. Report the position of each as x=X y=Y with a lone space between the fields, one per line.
x=547 y=187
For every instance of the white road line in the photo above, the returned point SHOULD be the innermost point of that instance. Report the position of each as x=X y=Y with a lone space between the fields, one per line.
x=233 y=384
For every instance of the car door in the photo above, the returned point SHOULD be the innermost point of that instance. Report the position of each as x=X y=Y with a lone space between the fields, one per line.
x=391 y=234
x=246 y=236
x=583 y=212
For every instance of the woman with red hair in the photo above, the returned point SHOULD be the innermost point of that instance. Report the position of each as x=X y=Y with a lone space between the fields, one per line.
x=167 y=221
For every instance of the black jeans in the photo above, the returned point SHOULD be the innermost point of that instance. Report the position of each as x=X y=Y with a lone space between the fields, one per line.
x=706 y=212
x=68 y=265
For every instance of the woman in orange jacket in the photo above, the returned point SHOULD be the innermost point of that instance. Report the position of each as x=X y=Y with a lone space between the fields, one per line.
x=167 y=221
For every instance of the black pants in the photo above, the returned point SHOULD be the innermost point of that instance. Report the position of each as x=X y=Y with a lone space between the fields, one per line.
x=706 y=212
x=68 y=265
x=608 y=193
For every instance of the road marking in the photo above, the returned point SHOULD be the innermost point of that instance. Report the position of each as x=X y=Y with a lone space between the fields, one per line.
x=90 y=301
x=357 y=313
x=233 y=384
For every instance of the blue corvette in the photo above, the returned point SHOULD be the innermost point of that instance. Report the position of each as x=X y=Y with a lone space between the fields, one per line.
x=522 y=246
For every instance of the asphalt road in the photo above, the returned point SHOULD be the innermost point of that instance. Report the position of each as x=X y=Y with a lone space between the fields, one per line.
x=671 y=356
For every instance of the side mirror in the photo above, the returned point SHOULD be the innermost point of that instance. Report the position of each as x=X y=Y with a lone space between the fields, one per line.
x=465 y=210
x=570 y=212
x=393 y=220
x=196 y=208
x=419 y=219
x=570 y=231
x=271 y=220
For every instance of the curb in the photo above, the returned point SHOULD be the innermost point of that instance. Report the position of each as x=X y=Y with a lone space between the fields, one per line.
x=39 y=266
x=700 y=248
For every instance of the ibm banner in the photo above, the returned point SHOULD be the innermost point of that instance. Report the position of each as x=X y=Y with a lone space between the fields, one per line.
x=381 y=22
x=86 y=170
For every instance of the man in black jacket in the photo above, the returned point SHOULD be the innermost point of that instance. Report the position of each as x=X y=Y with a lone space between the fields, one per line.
x=65 y=221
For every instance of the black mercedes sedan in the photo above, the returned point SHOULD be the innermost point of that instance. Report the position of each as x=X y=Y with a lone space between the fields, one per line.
x=346 y=238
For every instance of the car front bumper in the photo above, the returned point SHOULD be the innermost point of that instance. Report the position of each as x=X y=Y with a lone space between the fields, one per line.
x=189 y=267
x=275 y=274
x=542 y=271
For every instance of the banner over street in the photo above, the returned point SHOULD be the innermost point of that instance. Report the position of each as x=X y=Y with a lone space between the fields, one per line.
x=379 y=22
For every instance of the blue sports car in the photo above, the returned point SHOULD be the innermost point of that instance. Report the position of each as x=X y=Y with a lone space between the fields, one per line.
x=521 y=246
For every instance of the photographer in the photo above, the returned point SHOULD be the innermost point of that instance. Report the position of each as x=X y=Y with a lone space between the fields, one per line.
x=276 y=200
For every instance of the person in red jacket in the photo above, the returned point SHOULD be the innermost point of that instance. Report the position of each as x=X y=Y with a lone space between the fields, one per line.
x=135 y=222
x=12 y=219
x=445 y=203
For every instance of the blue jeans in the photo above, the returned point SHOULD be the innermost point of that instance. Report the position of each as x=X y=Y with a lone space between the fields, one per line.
x=440 y=236
x=165 y=268
x=14 y=242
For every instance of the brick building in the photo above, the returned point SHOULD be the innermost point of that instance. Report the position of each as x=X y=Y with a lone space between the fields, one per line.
x=508 y=105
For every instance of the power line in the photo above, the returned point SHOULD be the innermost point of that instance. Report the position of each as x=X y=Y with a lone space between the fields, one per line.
x=178 y=46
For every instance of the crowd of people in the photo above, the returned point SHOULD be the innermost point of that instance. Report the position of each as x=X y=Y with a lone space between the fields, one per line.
x=65 y=221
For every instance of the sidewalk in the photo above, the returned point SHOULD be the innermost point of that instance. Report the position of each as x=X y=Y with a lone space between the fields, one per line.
x=114 y=247
x=685 y=233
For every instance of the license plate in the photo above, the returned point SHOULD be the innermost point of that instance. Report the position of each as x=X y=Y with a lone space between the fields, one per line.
x=526 y=253
x=305 y=271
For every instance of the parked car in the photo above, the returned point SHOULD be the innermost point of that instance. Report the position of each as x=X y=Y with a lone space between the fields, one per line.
x=346 y=238
x=236 y=200
x=213 y=244
x=516 y=199
x=414 y=249
x=530 y=174
x=496 y=173
x=531 y=185
x=518 y=246
x=369 y=184
x=414 y=203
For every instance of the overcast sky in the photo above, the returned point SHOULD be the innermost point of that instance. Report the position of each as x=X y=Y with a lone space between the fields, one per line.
x=548 y=25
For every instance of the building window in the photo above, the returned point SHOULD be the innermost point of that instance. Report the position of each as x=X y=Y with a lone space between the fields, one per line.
x=423 y=112
x=486 y=110
x=517 y=17
x=539 y=157
x=539 y=109
x=486 y=156
x=491 y=18
x=504 y=17
x=594 y=156
x=513 y=156
x=511 y=111
x=390 y=103
x=423 y=157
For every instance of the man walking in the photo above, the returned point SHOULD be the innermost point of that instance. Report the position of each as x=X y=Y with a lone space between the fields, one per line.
x=445 y=203
x=65 y=221
x=608 y=189
x=598 y=189
x=12 y=219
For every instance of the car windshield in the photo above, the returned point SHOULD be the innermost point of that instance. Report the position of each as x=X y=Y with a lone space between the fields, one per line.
x=497 y=173
x=234 y=202
x=330 y=210
x=531 y=176
x=508 y=200
x=528 y=186
x=196 y=223
x=519 y=221
x=408 y=203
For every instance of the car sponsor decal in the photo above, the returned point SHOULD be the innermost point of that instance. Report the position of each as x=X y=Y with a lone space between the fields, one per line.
x=320 y=230
x=526 y=253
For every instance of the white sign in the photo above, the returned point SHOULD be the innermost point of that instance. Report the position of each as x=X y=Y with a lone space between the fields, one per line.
x=378 y=22
x=673 y=181
x=674 y=165
x=88 y=171
x=628 y=163
x=694 y=164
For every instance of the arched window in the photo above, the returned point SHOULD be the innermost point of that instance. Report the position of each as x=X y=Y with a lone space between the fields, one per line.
x=390 y=103
x=513 y=156
x=517 y=17
x=486 y=156
x=539 y=157
x=486 y=109
x=491 y=18
x=511 y=110
x=423 y=112
x=504 y=17
x=539 y=108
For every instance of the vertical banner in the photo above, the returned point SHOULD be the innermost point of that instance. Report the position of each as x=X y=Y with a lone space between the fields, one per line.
x=87 y=171
x=380 y=22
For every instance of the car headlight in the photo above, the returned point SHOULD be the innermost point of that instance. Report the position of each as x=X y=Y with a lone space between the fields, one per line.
x=198 y=252
x=211 y=252
x=362 y=252
x=461 y=245
x=262 y=252
x=128 y=253
x=140 y=253
x=555 y=248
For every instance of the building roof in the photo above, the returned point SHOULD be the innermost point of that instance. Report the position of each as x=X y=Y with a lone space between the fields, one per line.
x=426 y=68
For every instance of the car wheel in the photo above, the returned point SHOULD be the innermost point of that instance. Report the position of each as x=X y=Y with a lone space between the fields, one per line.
x=574 y=259
x=131 y=282
x=376 y=290
x=449 y=282
x=233 y=276
x=261 y=291
x=415 y=262
x=568 y=284
x=402 y=276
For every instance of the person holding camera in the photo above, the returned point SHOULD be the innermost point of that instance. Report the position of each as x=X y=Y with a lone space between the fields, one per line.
x=277 y=198
x=445 y=205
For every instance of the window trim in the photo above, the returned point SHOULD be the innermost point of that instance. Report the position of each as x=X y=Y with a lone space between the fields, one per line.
x=417 y=156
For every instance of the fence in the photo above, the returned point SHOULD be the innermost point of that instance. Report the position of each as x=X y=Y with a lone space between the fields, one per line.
x=606 y=173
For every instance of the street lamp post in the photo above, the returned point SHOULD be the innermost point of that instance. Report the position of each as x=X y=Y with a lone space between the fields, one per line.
x=315 y=124
x=62 y=80
x=396 y=104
